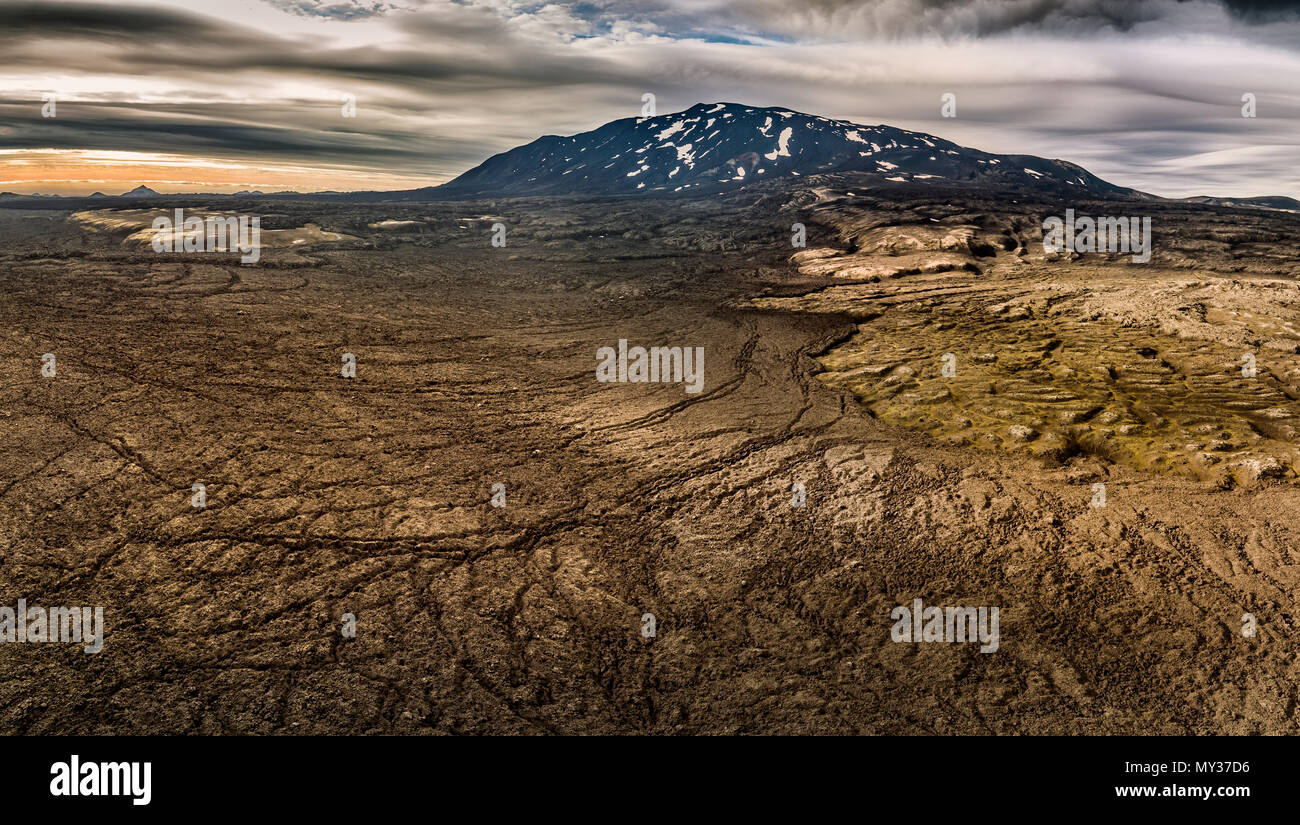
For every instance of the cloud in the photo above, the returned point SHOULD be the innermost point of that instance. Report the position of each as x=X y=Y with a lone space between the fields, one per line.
x=893 y=19
x=119 y=24
x=1146 y=95
x=352 y=10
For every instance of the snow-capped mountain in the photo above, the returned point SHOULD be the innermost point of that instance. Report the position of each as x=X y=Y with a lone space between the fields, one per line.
x=726 y=145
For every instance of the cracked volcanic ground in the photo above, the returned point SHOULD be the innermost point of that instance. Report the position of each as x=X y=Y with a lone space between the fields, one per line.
x=475 y=366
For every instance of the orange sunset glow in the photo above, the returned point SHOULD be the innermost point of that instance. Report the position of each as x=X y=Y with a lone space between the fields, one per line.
x=75 y=172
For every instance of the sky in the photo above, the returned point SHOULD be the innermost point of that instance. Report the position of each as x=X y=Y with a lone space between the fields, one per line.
x=227 y=95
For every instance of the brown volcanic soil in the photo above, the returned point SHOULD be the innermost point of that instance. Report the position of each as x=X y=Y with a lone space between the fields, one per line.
x=476 y=366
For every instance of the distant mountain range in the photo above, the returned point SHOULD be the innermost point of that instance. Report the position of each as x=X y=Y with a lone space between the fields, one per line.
x=1266 y=202
x=145 y=192
x=720 y=147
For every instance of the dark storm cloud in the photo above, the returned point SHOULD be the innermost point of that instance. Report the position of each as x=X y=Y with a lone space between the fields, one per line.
x=80 y=125
x=1262 y=10
x=118 y=24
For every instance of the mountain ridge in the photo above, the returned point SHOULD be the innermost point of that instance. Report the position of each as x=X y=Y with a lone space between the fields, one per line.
x=713 y=146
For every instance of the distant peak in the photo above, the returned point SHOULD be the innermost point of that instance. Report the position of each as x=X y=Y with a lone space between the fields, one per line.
x=722 y=146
